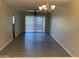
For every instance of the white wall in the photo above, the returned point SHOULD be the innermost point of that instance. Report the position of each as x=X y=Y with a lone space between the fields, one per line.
x=65 y=27
x=5 y=25
x=17 y=23
x=22 y=22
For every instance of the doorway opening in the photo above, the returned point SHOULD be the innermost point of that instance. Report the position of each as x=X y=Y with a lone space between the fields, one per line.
x=34 y=24
x=13 y=25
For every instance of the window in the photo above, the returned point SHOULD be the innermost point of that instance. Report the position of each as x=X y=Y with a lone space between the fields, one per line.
x=34 y=24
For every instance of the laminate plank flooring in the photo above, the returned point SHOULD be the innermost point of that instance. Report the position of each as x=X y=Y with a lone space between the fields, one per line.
x=34 y=45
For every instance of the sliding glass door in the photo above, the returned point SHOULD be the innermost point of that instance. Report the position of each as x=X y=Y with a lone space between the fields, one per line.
x=34 y=24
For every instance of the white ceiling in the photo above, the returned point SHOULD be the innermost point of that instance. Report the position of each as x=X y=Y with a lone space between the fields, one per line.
x=32 y=4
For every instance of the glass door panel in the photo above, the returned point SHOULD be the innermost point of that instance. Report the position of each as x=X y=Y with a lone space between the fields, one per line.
x=34 y=24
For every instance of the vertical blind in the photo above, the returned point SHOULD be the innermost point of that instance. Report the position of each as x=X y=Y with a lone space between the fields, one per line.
x=34 y=24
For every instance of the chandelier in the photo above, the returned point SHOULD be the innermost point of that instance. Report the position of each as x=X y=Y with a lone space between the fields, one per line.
x=47 y=7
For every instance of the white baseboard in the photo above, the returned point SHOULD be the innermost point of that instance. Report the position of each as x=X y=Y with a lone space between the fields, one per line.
x=63 y=46
x=2 y=47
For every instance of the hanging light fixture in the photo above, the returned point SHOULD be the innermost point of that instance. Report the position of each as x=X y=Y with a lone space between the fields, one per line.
x=53 y=7
x=47 y=7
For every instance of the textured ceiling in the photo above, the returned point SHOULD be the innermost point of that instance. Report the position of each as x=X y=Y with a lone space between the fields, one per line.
x=32 y=4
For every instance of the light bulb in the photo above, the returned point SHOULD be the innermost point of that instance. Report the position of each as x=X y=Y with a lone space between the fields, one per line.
x=40 y=8
x=53 y=7
x=43 y=6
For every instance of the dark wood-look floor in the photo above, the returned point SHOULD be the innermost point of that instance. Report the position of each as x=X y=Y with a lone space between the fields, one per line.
x=34 y=45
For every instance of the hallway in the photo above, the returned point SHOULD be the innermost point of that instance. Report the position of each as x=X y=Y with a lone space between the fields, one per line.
x=34 y=45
